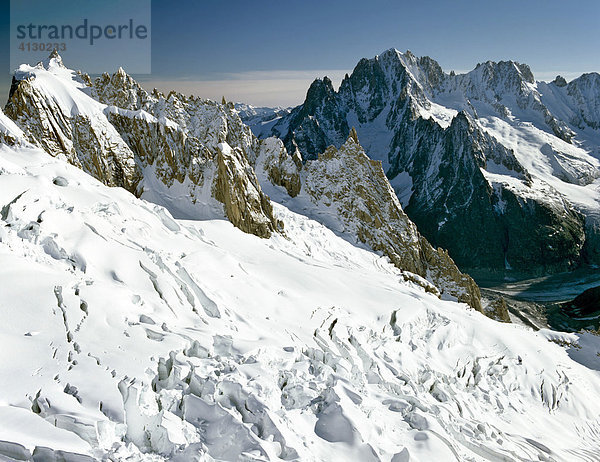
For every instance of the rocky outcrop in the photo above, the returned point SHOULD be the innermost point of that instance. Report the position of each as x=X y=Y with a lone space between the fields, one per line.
x=76 y=131
x=584 y=305
x=354 y=195
x=245 y=204
x=279 y=167
x=187 y=154
x=198 y=159
x=498 y=309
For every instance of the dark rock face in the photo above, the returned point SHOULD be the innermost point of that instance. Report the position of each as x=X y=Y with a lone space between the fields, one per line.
x=540 y=236
x=451 y=195
x=585 y=304
x=560 y=81
x=321 y=100
x=487 y=225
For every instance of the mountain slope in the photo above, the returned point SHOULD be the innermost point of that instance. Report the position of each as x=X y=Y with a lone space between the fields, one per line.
x=130 y=335
x=260 y=119
x=186 y=154
x=477 y=159
x=196 y=158
x=349 y=193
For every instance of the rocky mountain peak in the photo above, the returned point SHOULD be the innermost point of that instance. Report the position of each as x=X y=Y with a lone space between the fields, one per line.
x=319 y=91
x=353 y=136
x=53 y=60
x=589 y=83
x=440 y=140
x=502 y=76
x=424 y=70
x=187 y=154
x=560 y=81
x=120 y=89
x=352 y=192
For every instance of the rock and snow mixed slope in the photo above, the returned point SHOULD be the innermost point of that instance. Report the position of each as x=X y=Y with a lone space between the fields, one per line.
x=130 y=335
x=197 y=158
x=500 y=169
x=187 y=154
x=260 y=119
x=349 y=193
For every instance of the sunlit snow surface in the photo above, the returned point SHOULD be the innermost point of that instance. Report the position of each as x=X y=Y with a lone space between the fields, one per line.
x=131 y=335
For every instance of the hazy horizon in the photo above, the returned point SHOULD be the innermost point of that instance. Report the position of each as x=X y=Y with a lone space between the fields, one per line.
x=267 y=53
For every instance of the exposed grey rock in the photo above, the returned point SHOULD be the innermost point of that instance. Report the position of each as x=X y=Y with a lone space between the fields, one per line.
x=497 y=309
x=354 y=194
x=127 y=137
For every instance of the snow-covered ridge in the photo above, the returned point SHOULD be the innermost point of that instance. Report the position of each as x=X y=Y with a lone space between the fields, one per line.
x=130 y=335
x=196 y=158
x=349 y=193
x=187 y=154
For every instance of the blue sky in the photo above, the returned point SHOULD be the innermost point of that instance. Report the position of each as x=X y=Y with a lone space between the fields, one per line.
x=267 y=52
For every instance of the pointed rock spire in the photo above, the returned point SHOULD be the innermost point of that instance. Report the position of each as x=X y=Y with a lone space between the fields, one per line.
x=54 y=59
x=353 y=136
x=560 y=81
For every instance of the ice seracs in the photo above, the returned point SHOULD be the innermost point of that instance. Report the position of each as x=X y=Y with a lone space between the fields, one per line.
x=129 y=333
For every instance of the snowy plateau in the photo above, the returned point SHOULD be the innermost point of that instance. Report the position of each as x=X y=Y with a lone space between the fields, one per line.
x=133 y=329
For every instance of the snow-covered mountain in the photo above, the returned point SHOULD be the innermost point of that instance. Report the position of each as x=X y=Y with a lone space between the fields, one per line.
x=187 y=154
x=260 y=119
x=349 y=193
x=318 y=325
x=501 y=170
x=193 y=156
x=130 y=335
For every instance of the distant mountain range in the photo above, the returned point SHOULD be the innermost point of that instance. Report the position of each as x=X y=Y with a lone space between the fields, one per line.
x=499 y=169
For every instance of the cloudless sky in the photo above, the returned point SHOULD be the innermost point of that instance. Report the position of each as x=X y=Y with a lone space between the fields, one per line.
x=210 y=46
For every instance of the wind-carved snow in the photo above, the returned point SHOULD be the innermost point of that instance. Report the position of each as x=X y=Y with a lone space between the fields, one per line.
x=130 y=335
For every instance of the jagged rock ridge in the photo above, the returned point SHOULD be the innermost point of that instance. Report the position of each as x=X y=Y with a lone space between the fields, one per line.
x=187 y=154
x=196 y=157
x=499 y=169
x=348 y=192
